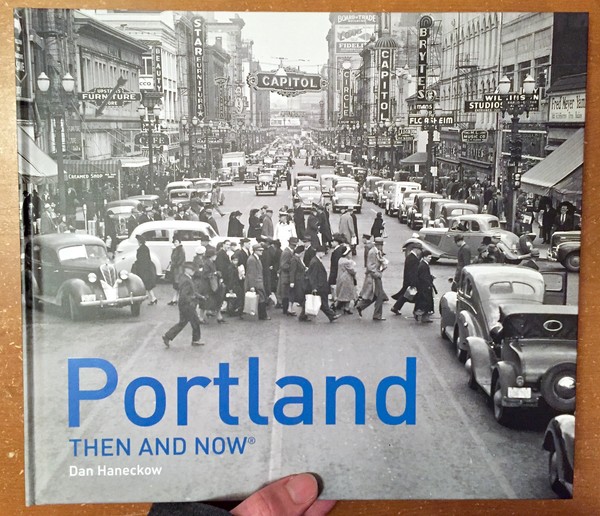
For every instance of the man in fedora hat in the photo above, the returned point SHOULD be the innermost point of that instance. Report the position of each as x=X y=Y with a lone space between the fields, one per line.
x=411 y=264
x=284 y=275
x=188 y=298
x=317 y=282
x=372 y=289
x=267 y=224
x=299 y=218
x=254 y=280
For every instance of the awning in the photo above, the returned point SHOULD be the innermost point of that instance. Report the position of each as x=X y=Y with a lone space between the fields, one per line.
x=553 y=174
x=134 y=161
x=92 y=169
x=418 y=158
x=35 y=166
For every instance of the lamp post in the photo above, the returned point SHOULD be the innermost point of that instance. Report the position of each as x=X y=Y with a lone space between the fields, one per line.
x=431 y=124
x=149 y=112
x=57 y=96
x=393 y=130
x=191 y=130
x=515 y=109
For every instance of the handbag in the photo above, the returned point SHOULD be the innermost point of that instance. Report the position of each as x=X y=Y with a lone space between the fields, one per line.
x=251 y=304
x=410 y=293
x=312 y=304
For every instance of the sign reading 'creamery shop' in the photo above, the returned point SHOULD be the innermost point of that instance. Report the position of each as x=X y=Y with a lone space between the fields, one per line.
x=290 y=84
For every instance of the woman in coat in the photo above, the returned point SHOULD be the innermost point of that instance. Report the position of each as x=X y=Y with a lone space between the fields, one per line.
x=145 y=269
x=211 y=284
x=425 y=290
x=297 y=275
x=378 y=226
x=345 y=286
x=254 y=224
x=235 y=227
x=177 y=261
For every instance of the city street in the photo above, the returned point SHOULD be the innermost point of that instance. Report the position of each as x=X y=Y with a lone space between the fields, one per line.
x=456 y=449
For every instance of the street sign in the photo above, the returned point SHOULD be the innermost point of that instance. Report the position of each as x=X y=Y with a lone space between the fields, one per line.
x=497 y=102
x=473 y=135
x=406 y=135
x=157 y=139
x=121 y=96
x=433 y=171
x=430 y=120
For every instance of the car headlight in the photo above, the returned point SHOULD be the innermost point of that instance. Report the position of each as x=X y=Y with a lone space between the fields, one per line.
x=92 y=278
x=123 y=274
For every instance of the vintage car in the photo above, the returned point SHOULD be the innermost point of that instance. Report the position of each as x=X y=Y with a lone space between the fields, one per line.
x=440 y=241
x=370 y=187
x=527 y=359
x=251 y=172
x=180 y=197
x=343 y=168
x=396 y=195
x=226 y=176
x=559 y=442
x=148 y=200
x=359 y=174
x=450 y=211
x=420 y=206
x=73 y=271
x=159 y=240
x=309 y=193
x=122 y=211
x=266 y=183
x=381 y=192
x=346 y=194
x=435 y=208
x=474 y=308
x=326 y=181
x=207 y=190
x=565 y=248
x=178 y=185
x=408 y=199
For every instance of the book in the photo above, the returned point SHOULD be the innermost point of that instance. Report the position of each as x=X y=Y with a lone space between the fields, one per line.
x=469 y=127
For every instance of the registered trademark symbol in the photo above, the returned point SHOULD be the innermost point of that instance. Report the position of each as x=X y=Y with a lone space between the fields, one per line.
x=251 y=440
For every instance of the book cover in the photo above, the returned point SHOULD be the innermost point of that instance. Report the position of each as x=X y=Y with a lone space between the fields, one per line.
x=347 y=244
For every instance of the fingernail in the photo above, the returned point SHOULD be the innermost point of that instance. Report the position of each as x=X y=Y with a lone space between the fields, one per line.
x=302 y=488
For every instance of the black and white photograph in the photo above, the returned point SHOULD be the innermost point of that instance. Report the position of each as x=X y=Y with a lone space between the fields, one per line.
x=256 y=244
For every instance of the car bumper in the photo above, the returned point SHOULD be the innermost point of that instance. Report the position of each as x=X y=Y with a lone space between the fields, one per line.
x=122 y=301
x=532 y=401
x=552 y=256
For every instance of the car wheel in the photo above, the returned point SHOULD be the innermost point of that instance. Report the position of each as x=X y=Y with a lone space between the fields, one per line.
x=558 y=387
x=71 y=307
x=461 y=354
x=443 y=328
x=571 y=262
x=135 y=309
x=502 y=414
x=471 y=381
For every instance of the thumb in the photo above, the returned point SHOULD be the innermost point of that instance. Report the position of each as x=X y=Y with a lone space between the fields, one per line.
x=289 y=496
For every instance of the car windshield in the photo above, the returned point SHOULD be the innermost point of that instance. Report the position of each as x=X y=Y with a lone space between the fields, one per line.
x=346 y=188
x=494 y=224
x=518 y=288
x=308 y=188
x=265 y=177
x=78 y=252
x=203 y=186
x=180 y=195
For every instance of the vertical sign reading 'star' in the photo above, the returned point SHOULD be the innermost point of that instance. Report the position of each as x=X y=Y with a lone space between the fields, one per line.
x=158 y=70
x=198 y=45
x=425 y=24
x=385 y=65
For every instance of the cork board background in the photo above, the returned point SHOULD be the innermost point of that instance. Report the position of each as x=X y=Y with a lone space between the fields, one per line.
x=587 y=492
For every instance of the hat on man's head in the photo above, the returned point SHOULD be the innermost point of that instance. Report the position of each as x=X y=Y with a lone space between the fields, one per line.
x=140 y=238
x=293 y=241
x=265 y=207
x=200 y=250
x=210 y=251
x=244 y=240
x=379 y=240
x=299 y=249
x=306 y=239
x=257 y=247
x=487 y=240
x=189 y=265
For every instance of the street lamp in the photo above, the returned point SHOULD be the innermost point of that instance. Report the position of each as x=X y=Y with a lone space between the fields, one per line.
x=56 y=101
x=431 y=124
x=515 y=108
x=149 y=113
x=191 y=131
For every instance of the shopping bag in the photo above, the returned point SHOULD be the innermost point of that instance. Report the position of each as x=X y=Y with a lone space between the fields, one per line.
x=251 y=304
x=312 y=304
x=410 y=293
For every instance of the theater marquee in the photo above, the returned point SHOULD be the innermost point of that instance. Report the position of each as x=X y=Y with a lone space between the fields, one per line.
x=289 y=85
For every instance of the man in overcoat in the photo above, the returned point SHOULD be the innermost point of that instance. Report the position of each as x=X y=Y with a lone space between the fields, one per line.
x=464 y=259
x=372 y=290
x=312 y=227
x=267 y=224
x=188 y=298
x=254 y=279
x=299 y=219
x=284 y=274
x=317 y=282
x=346 y=226
x=309 y=251
x=338 y=250
x=411 y=265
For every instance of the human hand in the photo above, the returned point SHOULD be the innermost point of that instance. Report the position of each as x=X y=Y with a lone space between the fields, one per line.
x=295 y=495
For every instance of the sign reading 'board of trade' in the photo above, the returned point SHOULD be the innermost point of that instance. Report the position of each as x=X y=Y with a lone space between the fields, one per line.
x=289 y=85
x=425 y=23
x=385 y=65
x=121 y=97
x=198 y=28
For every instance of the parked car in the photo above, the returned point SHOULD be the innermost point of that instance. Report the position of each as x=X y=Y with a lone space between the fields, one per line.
x=73 y=271
x=420 y=208
x=122 y=210
x=380 y=195
x=326 y=181
x=226 y=176
x=559 y=442
x=448 y=212
x=346 y=195
x=159 y=239
x=474 y=308
x=440 y=241
x=359 y=174
x=528 y=359
x=435 y=207
x=370 y=187
x=251 y=172
x=181 y=197
x=565 y=248
x=148 y=200
x=408 y=199
x=266 y=183
x=396 y=194
x=309 y=193
x=178 y=185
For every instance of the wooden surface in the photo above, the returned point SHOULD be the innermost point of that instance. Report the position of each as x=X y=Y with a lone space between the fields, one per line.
x=587 y=474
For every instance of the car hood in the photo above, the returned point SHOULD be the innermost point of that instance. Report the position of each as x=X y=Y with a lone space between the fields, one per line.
x=85 y=265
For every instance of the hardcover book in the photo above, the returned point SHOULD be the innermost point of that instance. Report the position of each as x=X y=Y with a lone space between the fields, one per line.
x=260 y=243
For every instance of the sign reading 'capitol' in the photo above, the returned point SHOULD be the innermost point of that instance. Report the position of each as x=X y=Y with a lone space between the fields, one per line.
x=291 y=84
